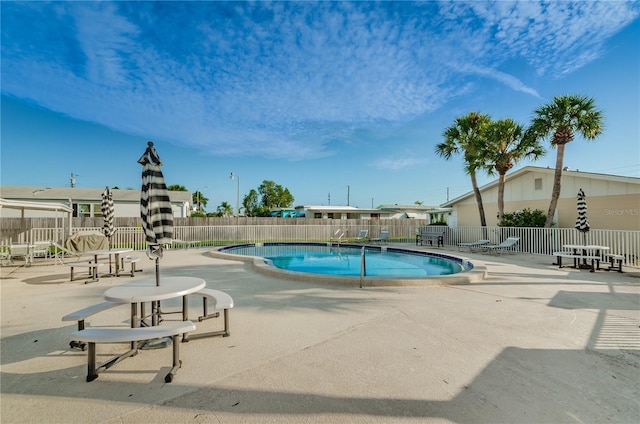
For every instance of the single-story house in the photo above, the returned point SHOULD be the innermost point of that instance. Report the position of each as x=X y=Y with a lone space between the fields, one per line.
x=341 y=212
x=84 y=202
x=429 y=213
x=613 y=202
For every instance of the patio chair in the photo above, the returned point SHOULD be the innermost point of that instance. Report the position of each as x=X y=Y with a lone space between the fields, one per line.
x=473 y=244
x=338 y=236
x=384 y=235
x=363 y=236
x=5 y=257
x=60 y=252
x=21 y=251
x=508 y=244
x=40 y=249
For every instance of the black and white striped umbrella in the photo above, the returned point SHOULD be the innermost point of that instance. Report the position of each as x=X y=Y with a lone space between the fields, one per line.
x=155 y=205
x=108 y=214
x=582 y=222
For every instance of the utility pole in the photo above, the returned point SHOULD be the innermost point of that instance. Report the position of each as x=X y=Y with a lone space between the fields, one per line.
x=348 y=193
x=329 y=199
x=237 y=178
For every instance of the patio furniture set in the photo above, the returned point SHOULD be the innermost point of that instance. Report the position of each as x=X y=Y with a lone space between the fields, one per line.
x=147 y=327
x=577 y=252
x=26 y=252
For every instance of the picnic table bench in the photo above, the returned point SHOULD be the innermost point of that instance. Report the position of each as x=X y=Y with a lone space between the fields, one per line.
x=91 y=266
x=615 y=261
x=220 y=301
x=430 y=236
x=93 y=335
x=81 y=315
x=595 y=259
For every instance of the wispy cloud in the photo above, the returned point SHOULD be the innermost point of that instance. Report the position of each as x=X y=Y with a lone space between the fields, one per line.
x=398 y=163
x=284 y=79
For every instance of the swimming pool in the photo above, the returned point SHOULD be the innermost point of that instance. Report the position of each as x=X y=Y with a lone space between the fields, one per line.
x=344 y=263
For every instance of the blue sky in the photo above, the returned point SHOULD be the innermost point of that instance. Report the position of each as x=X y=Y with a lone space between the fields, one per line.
x=340 y=101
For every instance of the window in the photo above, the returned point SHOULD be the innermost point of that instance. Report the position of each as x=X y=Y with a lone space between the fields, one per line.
x=538 y=183
x=81 y=210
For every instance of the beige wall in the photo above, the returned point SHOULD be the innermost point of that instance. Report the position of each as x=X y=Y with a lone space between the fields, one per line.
x=609 y=212
x=612 y=204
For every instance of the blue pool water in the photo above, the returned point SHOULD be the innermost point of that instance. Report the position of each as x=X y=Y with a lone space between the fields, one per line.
x=346 y=260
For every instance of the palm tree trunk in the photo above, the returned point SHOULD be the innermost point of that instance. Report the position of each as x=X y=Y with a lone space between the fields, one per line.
x=555 y=193
x=501 y=199
x=476 y=190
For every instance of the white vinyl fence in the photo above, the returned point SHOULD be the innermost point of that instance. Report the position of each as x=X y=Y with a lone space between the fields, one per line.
x=538 y=241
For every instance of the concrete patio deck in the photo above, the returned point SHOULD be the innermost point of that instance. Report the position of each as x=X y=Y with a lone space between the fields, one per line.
x=531 y=343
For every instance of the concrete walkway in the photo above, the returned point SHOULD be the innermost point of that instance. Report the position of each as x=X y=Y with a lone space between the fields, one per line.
x=529 y=344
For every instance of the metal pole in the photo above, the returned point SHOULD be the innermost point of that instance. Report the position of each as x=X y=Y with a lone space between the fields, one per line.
x=232 y=177
x=363 y=266
x=238 y=202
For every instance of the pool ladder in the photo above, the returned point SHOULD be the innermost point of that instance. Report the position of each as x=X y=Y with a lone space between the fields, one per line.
x=363 y=266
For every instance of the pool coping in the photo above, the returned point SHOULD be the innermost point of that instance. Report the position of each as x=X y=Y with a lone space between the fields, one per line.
x=262 y=266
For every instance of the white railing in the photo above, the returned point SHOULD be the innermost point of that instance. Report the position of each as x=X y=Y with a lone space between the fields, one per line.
x=537 y=241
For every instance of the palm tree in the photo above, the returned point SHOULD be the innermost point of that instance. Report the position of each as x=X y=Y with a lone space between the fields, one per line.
x=199 y=200
x=506 y=146
x=559 y=121
x=225 y=209
x=466 y=136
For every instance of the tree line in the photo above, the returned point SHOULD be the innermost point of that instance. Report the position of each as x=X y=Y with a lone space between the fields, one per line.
x=258 y=202
x=497 y=146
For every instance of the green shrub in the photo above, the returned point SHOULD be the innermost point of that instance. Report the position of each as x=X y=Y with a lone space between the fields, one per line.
x=525 y=218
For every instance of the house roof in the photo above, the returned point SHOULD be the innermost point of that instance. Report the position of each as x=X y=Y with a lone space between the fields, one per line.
x=551 y=171
x=22 y=205
x=47 y=194
x=400 y=208
x=337 y=208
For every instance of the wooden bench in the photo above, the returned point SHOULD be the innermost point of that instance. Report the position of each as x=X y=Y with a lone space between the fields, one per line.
x=131 y=260
x=595 y=260
x=92 y=267
x=430 y=236
x=85 y=313
x=221 y=302
x=615 y=261
x=94 y=335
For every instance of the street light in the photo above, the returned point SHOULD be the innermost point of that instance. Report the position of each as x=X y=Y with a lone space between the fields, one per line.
x=236 y=177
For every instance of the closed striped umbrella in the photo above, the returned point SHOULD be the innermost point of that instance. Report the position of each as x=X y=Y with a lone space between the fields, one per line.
x=108 y=214
x=155 y=205
x=582 y=222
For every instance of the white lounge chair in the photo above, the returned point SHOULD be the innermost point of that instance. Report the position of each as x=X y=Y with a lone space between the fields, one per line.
x=384 y=235
x=60 y=252
x=5 y=257
x=338 y=236
x=473 y=244
x=363 y=236
x=21 y=251
x=508 y=244
x=40 y=249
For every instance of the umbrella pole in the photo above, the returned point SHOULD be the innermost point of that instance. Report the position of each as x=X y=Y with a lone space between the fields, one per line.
x=110 y=270
x=155 y=306
x=157 y=271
